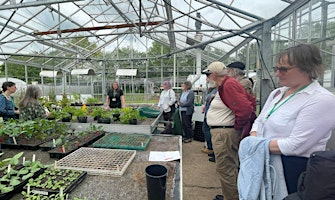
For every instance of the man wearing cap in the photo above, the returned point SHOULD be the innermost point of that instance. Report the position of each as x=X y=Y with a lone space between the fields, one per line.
x=236 y=70
x=228 y=113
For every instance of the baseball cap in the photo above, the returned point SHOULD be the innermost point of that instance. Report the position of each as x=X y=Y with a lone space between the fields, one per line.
x=238 y=65
x=214 y=67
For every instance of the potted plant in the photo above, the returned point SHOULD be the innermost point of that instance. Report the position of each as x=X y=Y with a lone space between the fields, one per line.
x=77 y=99
x=81 y=115
x=92 y=101
x=105 y=117
x=96 y=112
x=129 y=115
x=116 y=114
x=60 y=115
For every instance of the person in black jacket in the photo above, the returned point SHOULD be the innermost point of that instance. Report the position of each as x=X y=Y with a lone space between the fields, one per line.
x=115 y=97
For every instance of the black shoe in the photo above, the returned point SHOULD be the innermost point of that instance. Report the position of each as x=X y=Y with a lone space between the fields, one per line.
x=218 y=197
x=211 y=155
x=212 y=159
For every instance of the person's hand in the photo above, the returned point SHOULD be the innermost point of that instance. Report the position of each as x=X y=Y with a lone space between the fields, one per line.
x=253 y=133
x=107 y=107
x=203 y=108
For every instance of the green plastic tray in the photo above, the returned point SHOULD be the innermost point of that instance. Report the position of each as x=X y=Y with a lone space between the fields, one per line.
x=148 y=112
x=123 y=141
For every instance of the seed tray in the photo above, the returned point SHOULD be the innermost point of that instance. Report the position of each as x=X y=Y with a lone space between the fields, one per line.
x=56 y=153
x=68 y=189
x=110 y=162
x=18 y=188
x=46 y=146
x=123 y=141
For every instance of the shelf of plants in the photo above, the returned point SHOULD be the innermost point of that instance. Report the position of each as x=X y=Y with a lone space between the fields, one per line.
x=29 y=134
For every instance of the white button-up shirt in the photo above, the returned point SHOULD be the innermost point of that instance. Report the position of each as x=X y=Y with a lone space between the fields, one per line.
x=303 y=124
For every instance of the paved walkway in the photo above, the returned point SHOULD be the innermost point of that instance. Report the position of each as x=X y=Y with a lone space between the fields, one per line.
x=200 y=181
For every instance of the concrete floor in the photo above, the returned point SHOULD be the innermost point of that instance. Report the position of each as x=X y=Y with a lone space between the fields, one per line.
x=200 y=181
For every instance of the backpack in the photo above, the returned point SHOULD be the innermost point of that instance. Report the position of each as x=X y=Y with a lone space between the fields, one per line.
x=318 y=181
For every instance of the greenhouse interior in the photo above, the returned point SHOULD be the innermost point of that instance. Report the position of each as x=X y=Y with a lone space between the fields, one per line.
x=74 y=52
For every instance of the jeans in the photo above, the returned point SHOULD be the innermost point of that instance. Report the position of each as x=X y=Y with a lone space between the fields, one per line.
x=207 y=133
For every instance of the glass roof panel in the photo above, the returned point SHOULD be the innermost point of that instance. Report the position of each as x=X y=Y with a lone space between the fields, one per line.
x=56 y=27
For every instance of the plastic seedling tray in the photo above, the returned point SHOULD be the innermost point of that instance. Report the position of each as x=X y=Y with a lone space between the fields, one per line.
x=68 y=179
x=123 y=141
x=109 y=162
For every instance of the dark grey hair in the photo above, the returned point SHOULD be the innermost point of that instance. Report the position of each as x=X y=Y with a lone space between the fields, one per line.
x=304 y=56
x=188 y=85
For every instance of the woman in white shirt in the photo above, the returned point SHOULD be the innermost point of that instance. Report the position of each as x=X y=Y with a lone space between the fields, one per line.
x=167 y=100
x=298 y=117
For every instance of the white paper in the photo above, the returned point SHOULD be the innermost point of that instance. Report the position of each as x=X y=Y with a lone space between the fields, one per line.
x=164 y=155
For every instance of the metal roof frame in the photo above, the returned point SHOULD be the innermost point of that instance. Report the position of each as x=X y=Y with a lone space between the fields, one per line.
x=175 y=25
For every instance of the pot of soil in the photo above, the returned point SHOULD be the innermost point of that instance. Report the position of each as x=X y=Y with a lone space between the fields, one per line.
x=133 y=121
x=82 y=119
x=104 y=120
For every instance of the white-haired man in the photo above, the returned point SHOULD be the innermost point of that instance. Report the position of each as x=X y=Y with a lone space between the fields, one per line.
x=229 y=112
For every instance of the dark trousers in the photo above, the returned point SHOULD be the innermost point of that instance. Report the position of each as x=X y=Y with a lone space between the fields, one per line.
x=187 y=124
x=167 y=116
x=293 y=166
x=207 y=133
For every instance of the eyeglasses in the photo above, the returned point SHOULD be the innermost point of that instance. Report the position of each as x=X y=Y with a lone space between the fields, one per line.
x=282 y=69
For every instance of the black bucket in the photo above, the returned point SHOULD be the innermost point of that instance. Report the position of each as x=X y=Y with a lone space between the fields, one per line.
x=156 y=181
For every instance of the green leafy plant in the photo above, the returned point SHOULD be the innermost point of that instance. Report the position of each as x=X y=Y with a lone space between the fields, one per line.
x=129 y=113
x=76 y=97
x=65 y=101
x=52 y=95
x=92 y=100
x=79 y=112
x=12 y=173
x=96 y=111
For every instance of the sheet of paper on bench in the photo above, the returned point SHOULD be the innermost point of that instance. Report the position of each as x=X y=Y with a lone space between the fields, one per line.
x=164 y=155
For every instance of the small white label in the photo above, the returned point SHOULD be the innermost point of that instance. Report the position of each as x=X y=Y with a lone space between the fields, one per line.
x=39 y=192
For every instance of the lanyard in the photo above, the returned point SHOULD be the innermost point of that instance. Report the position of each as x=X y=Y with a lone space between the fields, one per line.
x=275 y=107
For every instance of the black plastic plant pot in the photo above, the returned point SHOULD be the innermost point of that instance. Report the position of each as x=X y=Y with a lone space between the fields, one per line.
x=82 y=119
x=66 y=119
x=156 y=181
x=133 y=121
x=104 y=120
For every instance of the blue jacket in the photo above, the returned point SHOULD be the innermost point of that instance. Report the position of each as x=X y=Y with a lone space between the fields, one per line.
x=261 y=175
x=254 y=181
x=189 y=104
